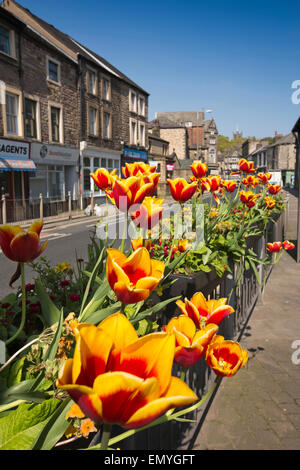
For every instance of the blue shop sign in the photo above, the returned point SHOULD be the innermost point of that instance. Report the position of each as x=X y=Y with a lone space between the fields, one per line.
x=135 y=153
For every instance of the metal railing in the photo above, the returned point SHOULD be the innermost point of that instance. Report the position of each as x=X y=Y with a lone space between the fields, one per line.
x=244 y=295
x=21 y=210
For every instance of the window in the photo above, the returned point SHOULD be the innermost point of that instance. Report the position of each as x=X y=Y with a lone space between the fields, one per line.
x=141 y=105
x=92 y=121
x=12 y=108
x=53 y=70
x=5 y=40
x=106 y=89
x=91 y=82
x=55 y=124
x=142 y=135
x=133 y=132
x=132 y=101
x=30 y=118
x=106 y=126
x=90 y=165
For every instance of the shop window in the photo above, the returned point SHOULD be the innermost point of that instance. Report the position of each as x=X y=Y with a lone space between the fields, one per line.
x=30 y=118
x=12 y=114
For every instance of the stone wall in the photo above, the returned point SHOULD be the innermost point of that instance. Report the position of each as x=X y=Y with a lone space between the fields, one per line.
x=177 y=138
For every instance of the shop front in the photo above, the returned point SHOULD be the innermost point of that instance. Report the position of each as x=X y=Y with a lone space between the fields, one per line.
x=57 y=172
x=16 y=168
x=91 y=159
x=131 y=155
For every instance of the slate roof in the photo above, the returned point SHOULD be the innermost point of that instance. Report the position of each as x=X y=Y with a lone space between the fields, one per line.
x=78 y=48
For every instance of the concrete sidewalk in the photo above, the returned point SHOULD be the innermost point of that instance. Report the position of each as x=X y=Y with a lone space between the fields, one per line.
x=259 y=408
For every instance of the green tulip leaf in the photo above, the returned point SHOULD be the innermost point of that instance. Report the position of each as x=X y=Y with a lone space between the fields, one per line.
x=21 y=427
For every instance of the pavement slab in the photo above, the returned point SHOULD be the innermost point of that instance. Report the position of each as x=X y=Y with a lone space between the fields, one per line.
x=259 y=408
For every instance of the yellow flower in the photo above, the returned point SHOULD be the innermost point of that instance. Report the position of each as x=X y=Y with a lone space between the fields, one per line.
x=61 y=267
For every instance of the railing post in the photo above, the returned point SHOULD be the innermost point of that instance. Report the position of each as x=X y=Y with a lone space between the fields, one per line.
x=70 y=205
x=81 y=202
x=261 y=248
x=4 y=214
x=92 y=203
x=41 y=207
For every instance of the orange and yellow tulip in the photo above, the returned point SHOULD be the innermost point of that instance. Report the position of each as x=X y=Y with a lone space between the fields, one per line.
x=117 y=378
x=151 y=178
x=214 y=182
x=130 y=191
x=288 y=245
x=199 y=169
x=250 y=180
x=148 y=214
x=181 y=190
x=103 y=178
x=133 y=278
x=225 y=357
x=191 y=345
x=269 y=202
x=203 y=311
x=229 y=185
x=248 y=198
x=246 y=167
x=20 y=245
x=137 y=168
x=274 y=188
x=274 y=247
x=183 y=245
x=264 y=177
x=139 y=242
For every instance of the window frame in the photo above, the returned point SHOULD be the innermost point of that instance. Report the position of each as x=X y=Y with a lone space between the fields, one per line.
x=89 y=107
x=105 y=78
x=61 y=122
x=54 y=61
x=38 y=116
x=12 y=42
x=90 y=70
x=142 y=142
x=141 y=112
x=108 y=113
x=131 y=139
x=132 y=108
x=20 y=131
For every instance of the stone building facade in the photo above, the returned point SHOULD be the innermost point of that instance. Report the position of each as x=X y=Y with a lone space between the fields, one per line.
x=39 y=110
x=99 y=115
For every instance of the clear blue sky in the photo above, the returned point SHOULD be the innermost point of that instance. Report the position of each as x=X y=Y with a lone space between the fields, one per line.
x=237 y=58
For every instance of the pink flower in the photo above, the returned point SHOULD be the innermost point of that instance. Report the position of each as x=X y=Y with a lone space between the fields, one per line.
x=74 y=297
x=64 y=283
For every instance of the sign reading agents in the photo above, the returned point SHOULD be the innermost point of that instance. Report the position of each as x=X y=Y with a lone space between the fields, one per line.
x=14 y=149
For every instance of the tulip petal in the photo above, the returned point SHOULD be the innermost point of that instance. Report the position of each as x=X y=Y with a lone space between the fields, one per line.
x=143 y=358
x=36 y=227
x=220 y=313
x=177 y=394
x=91 y=354
x=114 y=390
x=25 y=246
x=7 y=234
x=128 y=294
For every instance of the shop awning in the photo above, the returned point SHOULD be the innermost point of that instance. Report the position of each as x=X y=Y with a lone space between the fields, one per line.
x=10 y=164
